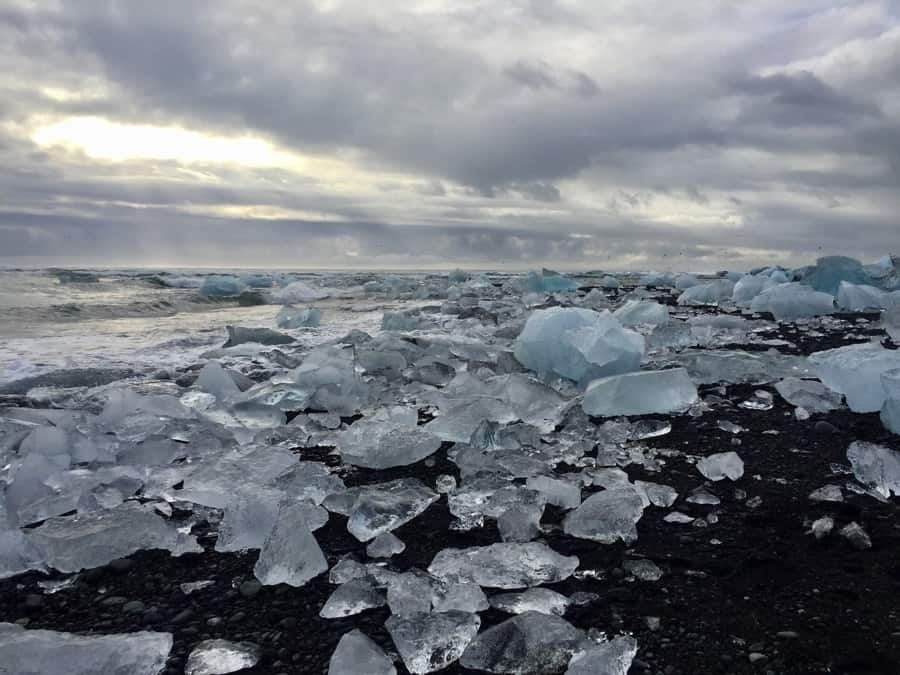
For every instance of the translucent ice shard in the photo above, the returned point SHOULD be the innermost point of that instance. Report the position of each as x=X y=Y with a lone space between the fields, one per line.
x=707 y=294
x=860 y=297
x=463 y=597
x=548 y=282
x=809 y=394
x=528 y=644
x=357 y=654
x=385 y=545
x=828 y=273
x=734 y=367
x=387 y=439
x=238 y=335
x=606 y=658
x=218 y=657
x=578 y=344
x=876 y=466
x=506 y=565
x=562 y=493
x=541 y=600
x=855 y=371
x=607 y=516
x=353 y=597
x=290 y=554
x=382 y=507
x=721 y=465
x=640 y=393
x=430 y=642
x=294 y=317
x=642 y=313
x=787 y=302
x=297 y=293
x=520 y=522
x=48 y=652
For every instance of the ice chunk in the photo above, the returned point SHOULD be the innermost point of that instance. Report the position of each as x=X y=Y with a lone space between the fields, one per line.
x=808 y=394
x=218 y=657
x=707 y=294
x=389 y=438
x=214 y=380
x=562 y=493
x=749 y=286
x=353 y=597
x=876 y=466
x=686 y=281
x=298 y=292
x=641 y=393
x=890 y=321
x=859 y=297
x=721 y=465
x=70 y=544
x=828 y=273
x=607 y=516
x=531 y=643
x=238 y=335
x=48 y=652
x=642 y=312
x=221 y=287
x=290 y=554
x=608 y=282
x=381 y=507
x=655 y=494
x=578 y=344
x=856 y=536
x=410 y=593
x=252 y=515
x=890 y=415
x=607 y=658
x=430 y=642
x=541 y=600
x=548 y=282
x=520 y=522
x=735 y=367
x=787 y=302
x=657 y=279
x=385 y=545
x=463 y=597
x=329 y=376
x=400 y=321
x=643 y=569
x=506 y=565
x=357 y=654
x=855 y=371
x=295 y=317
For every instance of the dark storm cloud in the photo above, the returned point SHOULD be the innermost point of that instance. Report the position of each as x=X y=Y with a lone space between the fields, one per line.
x=705 y=128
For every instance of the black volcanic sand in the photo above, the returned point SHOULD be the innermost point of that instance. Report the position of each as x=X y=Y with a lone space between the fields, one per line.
x=728 y=590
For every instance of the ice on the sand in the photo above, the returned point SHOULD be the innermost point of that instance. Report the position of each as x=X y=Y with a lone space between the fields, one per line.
x=855 y=371
x=358 y=654
x=548 y=282
x=640 y=393
x=381 y=507
x=541 y=600
x=686 y=281
x=297 y=293
x=290 y=554
x=507 y=565
x=385 y=545
x=389 y=438
x=721 y=465
x=295 y=317
x=219 y=657
x=578 y=344
x=562 y=493
x=430 y=642
x=400 y=321
x=252 y=515
x=463 y=597
x=353 y=597
x=808 y=394
x=749 y=286
x=735 y=367
x=787 y=302
x=213 y=379
x=642 y=313
x=73 y=543
x=528 y=644
x=328 y=375
x=520 y=522
x=607 y=516
x=410 y=593
x=860 y=297
x=828 y=273
x=707 y=294
x=48 y=652
x=876 y=467
x=238 y=335
x=606 y=658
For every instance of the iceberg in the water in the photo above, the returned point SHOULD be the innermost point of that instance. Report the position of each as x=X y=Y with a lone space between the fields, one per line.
x=859 y=298
x=828 y=273
x=787 y=302
x=640 y=393
x=578 y=344
x=855 y=371
x=295 y=317
x=548 y=282
x=221 y=287
x=298 y=292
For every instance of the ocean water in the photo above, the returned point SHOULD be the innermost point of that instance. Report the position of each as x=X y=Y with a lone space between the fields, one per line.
x=53 y=319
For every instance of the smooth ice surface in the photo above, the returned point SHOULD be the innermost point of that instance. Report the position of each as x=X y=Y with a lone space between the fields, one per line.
x=721 y=465
x=506 y=565
x=707 y=294
x=828 y=273
x=607 y=516
x=787 y=302
x=855 y=371
x=808 y=394
x=735 y=367
x=219 y=657
x=640 y=393
x=353 y=597
x=876 y=466
x=606 y=658
x=642 y=312
x=578 y=344
x=541 y=600
x=430 y=642
x=381 y=507
x=389 y=438
x=385 y=545
x=562 y=493
x=296 y=317
x=357 y=654
x=859 y=298
x=298 y=292
x=48 y=652
x=290 y=554
x=528 y=644
x=548 y=283
x=748 y=287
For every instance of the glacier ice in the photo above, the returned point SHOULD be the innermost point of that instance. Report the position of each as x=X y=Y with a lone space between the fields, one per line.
x=221 y=287
x=788 y=302
x=506 y=565
x=541 y=600
x=381 y=507
x=389 y=438
x=238 y=335
x=711 y=293
x=809 y=394
x=749 y=286
x=607 y=516
x=290 y=553
x=859 y=298
x=642 y=313
x=828 y=273
x=295 y=317
x=578 y=344
x=385 y=545
x=352 y=597
x=855 y=371
x=721 y=465
x=48 y=652
x=298 y=292
x=430 y=642
x=357 y=654
x=876 y=467
x=613 y=657
x=545 y=282
x=562 y=493
x=640 y=393
x=218 y=657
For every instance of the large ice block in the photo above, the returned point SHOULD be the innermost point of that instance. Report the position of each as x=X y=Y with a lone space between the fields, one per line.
x=787 y=302
x=640 y=393
x=855 y=371
x=607 y=516
x=506 y=565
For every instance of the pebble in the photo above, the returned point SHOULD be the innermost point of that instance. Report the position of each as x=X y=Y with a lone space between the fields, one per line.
x=756 y=657
x=121 y=565
x=788 y=634
x=183 y=615
x=33 y=601
x=133 y=607
x=824 y=427
x=250 y=588
x=113 y=600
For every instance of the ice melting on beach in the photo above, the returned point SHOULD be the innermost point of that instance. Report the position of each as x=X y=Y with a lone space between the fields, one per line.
x=855 y=371
x=607 y=516
x=640 y=393
x=505 y=565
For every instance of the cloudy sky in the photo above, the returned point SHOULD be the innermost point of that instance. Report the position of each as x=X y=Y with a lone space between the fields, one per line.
x=430 y=133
